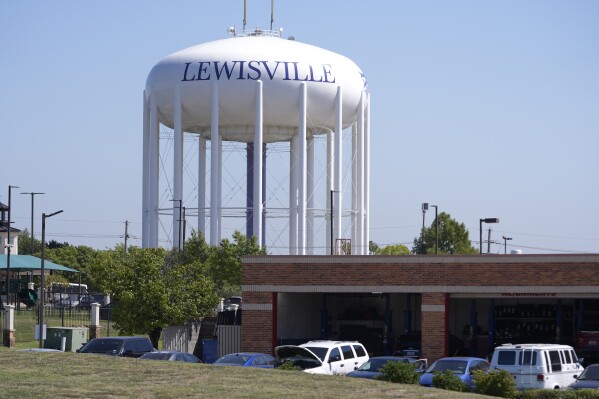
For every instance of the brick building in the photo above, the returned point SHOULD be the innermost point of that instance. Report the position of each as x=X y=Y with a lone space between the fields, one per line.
x=459 y=304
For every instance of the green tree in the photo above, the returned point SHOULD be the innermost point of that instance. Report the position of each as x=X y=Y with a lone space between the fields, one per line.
x=25 y=244
x=373 y=248
x=397 y=249
x=453 y=238
x=225 y=262
x=152 y=294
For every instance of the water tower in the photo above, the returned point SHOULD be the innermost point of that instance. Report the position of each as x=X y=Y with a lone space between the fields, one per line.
x=259 y=88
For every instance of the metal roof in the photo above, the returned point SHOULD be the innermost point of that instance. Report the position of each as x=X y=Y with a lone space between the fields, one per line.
x=20 y=263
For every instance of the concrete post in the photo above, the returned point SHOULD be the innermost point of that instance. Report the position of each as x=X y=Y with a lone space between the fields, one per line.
x=8 y=334
x=94 y=324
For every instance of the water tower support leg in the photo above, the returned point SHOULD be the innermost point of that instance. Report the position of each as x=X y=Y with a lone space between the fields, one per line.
x=145 y=174
x=330 y=180
x=367 y=176
x=202 y=186
x=293 y=196
x=310 y=200
x=360 y=160
x=214 y=167
x=354 y=190
x=337 y=197
x=177 y=168
x=257 y=190
x=154 y=173
x=302 y=140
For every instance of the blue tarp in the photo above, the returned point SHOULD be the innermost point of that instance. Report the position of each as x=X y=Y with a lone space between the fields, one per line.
x=23 y=263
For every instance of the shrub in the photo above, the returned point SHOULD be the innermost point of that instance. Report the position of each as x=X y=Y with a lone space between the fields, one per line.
x=495 y=383
x=399 y=372
x=449 y=381
x=289 y=366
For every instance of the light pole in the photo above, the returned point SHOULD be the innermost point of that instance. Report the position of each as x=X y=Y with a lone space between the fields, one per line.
x=505 y=240
x=424 y=209
x=41 y=306
x=486 y=220
x=8 y=246
x=32 y=195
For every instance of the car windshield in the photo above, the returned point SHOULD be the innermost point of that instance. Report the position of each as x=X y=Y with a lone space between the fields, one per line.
x=590 y=374
x=102 y=345
x=156 y=356
x=320 y=352
x=457 y=366
x=233 y=358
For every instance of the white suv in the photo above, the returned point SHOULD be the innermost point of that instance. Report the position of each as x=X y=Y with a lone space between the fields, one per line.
x=324 y=357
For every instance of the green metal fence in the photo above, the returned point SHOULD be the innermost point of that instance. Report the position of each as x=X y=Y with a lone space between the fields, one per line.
x=26 y=320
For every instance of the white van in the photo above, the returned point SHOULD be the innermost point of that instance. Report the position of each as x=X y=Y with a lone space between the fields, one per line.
x=324 y=357
x=538 y=366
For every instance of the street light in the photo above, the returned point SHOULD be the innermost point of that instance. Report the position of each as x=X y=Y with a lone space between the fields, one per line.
x=179 y=221
x=505 y=240
x=32 y=194
x=8 y=246
x=41 y=308
x=486 y=220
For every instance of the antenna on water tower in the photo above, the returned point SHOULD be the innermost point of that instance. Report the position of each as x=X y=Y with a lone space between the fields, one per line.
x=272 y=13
x=244 y=14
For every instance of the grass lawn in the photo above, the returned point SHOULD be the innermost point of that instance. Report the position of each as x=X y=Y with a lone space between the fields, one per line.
x=73 y=375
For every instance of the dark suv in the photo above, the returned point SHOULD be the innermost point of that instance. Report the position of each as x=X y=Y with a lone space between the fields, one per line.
x=118 y=346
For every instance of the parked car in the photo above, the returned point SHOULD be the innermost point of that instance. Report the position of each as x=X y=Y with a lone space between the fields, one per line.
x=460 y=366
x=538 y=366
x=247 y=359
x=409 y=344
x=324 y=357
x=371 y=369
x=589 y=379
x=173 y=356
x=118 y=346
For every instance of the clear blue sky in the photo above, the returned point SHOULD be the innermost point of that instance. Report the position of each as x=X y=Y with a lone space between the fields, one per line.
x=487 y=109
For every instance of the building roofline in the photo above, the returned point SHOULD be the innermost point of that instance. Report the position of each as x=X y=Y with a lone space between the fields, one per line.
x=421 y=259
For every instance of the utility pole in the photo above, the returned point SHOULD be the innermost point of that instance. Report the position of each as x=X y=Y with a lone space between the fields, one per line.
x=489 y=241
x=126 y=235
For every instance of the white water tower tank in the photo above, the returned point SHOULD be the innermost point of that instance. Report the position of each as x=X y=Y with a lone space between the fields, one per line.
x=258 y=88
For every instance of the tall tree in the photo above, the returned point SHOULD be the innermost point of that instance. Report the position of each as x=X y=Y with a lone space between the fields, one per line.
x=152 y=294
x=453 y=238
x=397 y=249
x=225 y=262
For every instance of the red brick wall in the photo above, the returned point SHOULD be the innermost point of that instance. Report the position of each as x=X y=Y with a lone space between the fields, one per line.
x=256 y=331
x=518 y=274
x=433 y=326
